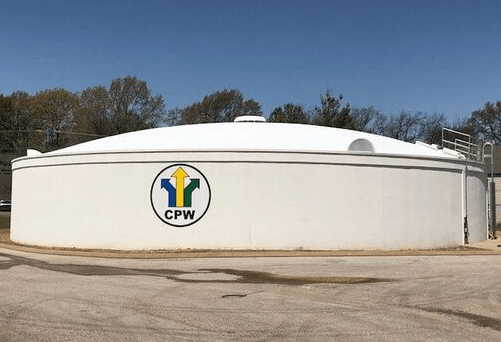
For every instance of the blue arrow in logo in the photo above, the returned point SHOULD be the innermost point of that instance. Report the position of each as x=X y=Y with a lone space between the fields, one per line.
x=165 y=184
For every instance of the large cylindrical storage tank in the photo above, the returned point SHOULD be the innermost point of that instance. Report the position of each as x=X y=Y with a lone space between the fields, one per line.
x=248 y=185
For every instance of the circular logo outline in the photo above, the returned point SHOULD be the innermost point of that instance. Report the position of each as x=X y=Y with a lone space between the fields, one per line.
x=153 y=206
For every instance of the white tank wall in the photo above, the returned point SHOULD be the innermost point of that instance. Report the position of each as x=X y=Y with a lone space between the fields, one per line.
x=260 y=200
x=477 y=204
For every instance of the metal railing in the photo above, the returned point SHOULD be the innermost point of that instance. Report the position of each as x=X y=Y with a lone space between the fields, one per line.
x=462 y=143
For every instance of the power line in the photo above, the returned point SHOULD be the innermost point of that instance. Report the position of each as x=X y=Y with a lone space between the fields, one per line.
x=54 y=131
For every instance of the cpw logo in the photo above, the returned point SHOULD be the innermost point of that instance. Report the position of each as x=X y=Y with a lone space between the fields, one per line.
x=180 y=195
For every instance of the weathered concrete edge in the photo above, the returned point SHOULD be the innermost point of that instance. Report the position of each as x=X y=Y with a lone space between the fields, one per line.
x=188 y=253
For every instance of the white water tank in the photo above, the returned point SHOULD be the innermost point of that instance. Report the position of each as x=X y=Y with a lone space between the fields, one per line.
x=247 y=185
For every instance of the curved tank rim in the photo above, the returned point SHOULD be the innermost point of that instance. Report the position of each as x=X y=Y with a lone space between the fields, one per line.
x=19 y=163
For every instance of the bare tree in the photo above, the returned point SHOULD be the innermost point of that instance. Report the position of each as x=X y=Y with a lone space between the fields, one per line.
x=94 y=112
x=486 y=122
x=331 y=114
x=220 y=106
x=6 y=140
x=132 y=105
x=290 y=113
x=53 y=111
x=405 y=126
x=369 y=120
x=431 y=131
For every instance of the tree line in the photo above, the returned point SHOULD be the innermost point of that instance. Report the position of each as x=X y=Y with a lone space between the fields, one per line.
x=56 y=118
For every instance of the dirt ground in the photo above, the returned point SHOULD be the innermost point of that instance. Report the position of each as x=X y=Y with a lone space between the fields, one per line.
x=489 y=247
x=4 y=220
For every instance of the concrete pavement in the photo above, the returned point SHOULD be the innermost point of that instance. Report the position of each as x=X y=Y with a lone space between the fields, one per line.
x=369 y=298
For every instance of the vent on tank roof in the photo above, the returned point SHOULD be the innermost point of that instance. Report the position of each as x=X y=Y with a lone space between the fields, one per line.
x=249 y=118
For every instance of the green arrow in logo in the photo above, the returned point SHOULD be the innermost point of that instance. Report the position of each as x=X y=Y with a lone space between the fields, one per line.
x=195 y=183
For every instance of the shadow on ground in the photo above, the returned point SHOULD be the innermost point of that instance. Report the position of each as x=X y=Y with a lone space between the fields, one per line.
x=212 y=275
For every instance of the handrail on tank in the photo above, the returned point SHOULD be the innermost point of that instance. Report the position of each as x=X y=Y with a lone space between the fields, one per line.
x=455 y=132
x=463 y=143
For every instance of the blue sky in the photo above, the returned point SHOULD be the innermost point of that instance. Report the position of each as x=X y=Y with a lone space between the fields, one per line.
x=429 y=56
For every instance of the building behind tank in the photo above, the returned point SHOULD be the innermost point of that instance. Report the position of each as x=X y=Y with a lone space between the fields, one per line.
x=248 y=185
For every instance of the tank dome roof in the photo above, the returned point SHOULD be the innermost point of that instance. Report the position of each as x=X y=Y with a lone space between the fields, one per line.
x=255 y=136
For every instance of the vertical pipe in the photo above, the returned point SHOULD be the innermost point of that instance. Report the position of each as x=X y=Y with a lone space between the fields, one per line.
x=465 y=202
x=493 y=195
x=491 y=191
x=492 y=209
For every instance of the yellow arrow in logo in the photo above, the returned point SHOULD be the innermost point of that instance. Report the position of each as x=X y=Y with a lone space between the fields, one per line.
x=180 y=175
